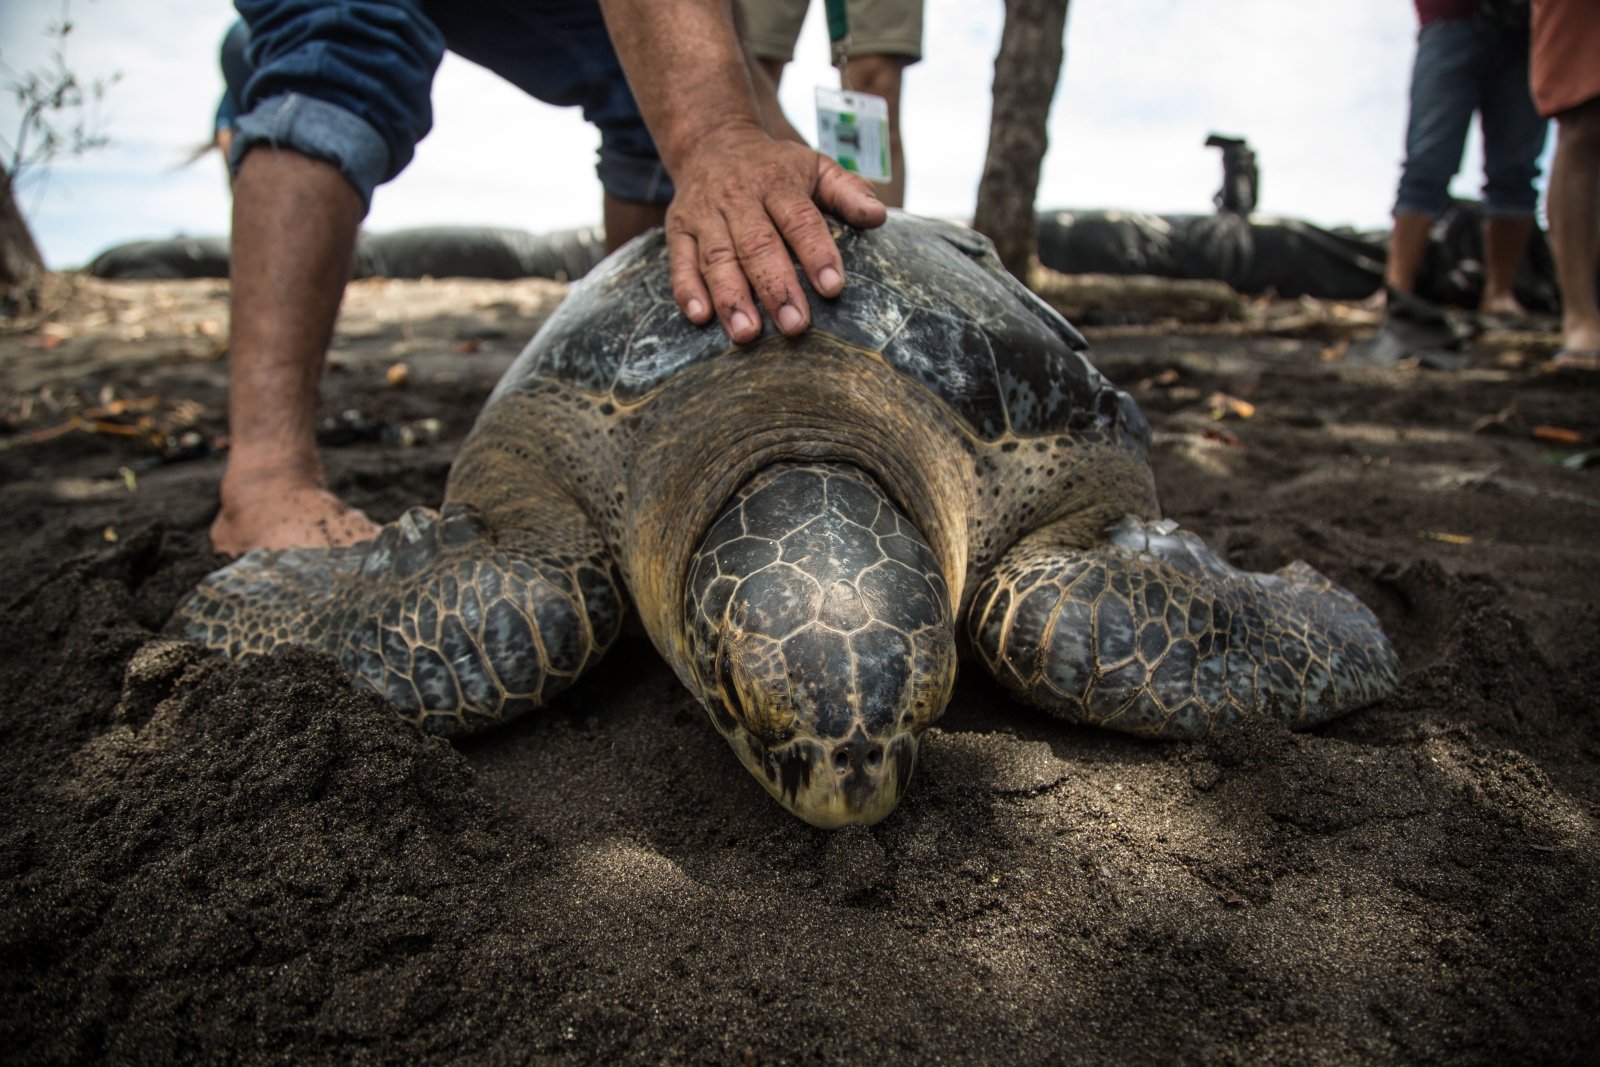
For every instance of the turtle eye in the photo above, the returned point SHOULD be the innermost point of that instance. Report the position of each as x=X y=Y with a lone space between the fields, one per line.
x=757 y=698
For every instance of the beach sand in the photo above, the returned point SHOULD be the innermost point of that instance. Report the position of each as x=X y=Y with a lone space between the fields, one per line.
x=211 y=862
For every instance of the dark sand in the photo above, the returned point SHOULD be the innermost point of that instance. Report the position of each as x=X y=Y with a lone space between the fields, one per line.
x=211 y=863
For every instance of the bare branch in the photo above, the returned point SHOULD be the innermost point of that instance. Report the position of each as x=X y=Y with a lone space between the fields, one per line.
x=60 y=115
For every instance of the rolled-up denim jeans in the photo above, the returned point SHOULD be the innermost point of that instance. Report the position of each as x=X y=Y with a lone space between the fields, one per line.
x=235 y=73
x=349 y=81
x=1460 y=71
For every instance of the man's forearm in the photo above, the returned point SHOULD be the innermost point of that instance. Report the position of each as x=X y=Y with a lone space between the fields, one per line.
x=687 y=70
x=744 y=202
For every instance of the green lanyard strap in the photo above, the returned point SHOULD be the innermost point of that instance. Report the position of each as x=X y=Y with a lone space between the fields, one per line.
x=839 y=32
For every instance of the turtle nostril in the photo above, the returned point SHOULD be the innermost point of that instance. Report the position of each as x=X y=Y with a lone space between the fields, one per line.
x=858 y=754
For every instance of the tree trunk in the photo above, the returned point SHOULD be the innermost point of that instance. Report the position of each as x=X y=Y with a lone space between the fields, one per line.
x=1025 y=76
x=20 y=261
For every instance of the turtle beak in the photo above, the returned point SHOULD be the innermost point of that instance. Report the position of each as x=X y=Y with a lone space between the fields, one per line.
x=835 y=757
x=854 y=781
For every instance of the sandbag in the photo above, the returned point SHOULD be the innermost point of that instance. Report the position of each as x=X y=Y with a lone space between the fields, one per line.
x=429 y=251
x=1290 y=257
x=479 y=252
x=1253 y=254
x=165 y=260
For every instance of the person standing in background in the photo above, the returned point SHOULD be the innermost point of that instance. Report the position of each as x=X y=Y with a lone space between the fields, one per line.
x=1566 y=87
x=1467 y=64
x=885 y=38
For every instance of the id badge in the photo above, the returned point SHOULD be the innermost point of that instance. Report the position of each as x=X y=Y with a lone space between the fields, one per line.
x=853 y=128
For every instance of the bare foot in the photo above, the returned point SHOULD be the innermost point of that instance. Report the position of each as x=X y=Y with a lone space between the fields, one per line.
x=1581 y=338
x=1502 y=307
x=288 y=518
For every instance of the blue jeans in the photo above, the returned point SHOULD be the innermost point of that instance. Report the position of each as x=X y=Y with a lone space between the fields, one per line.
x=349 y=81
x=1461 y=70
x=235 y=74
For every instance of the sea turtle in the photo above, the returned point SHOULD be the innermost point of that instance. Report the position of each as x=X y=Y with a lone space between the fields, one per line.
x=808 y=528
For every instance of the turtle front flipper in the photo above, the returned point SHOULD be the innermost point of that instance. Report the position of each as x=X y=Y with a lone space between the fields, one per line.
x=1153 y=634
x=461 y=626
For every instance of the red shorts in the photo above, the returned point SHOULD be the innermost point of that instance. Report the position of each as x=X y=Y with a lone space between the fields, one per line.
x=1565 y=65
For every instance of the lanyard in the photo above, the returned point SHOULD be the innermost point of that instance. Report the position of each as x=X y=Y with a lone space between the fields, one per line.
x=852 y=127
x=839 y=32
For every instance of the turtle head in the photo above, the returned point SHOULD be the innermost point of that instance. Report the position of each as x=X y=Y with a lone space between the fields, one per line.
x=821 y=639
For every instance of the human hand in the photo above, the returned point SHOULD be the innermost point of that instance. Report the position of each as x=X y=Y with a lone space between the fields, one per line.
x=744 y=201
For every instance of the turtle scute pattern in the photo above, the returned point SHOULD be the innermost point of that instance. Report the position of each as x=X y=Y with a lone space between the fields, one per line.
x=1153 y=634
x=817 y=573
x=928 y=298
x=480 y=633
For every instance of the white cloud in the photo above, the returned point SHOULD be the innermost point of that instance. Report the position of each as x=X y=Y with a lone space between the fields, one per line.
x=1320 y=90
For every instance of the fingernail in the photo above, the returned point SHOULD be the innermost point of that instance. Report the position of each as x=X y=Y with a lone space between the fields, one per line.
x=696 y=309
x=829 y=280
x=790 y=320
x=740 y=322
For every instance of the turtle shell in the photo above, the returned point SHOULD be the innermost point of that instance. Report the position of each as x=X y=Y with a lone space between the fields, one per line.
x=929 y=298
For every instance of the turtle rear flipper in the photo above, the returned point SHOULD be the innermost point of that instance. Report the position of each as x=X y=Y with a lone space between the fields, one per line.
x=1153 y=634
x=460 y=625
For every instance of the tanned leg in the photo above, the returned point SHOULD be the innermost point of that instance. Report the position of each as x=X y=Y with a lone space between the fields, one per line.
x=880 y=76
x=1574 y=208
x=1504 y=242
x=766 y=75
x=626 y=219
x=294 y=230
x=1408 y=243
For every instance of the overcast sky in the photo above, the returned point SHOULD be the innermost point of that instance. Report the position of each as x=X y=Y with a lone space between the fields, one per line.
x=1318 y=88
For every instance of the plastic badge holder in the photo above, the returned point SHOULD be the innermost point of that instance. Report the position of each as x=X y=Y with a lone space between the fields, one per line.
x=853 y=128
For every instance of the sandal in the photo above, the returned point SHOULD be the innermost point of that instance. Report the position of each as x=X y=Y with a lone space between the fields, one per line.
x=1582 y=359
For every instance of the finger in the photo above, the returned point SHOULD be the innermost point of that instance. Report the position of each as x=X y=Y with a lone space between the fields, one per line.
x=806 y=232
x=719 y=265
x=765 y=260
x=683 y=253
x=847 y=195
